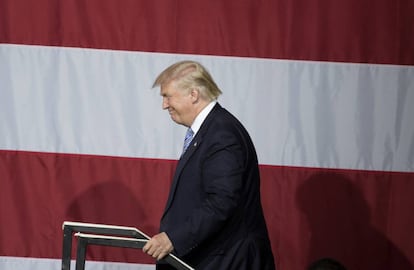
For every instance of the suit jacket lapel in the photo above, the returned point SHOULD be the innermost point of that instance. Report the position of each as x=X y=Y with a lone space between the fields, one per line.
x=186 y=156
x=181 y=163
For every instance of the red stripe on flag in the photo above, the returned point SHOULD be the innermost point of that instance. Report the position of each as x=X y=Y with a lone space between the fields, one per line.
x=39 y=191
x=328 y=212
x=346 y=31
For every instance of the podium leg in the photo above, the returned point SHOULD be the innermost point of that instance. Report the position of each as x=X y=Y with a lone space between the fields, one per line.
x=67 y=248
x=81 y=254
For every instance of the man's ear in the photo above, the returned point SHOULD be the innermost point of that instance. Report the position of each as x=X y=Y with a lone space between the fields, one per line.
x=195 y=95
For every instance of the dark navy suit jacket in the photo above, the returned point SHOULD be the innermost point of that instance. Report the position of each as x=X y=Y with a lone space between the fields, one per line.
x=213 y=215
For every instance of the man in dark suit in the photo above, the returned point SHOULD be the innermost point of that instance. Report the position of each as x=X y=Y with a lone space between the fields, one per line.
x=213 y=218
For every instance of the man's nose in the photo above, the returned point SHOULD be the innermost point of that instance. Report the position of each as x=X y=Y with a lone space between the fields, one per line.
x=164 y=104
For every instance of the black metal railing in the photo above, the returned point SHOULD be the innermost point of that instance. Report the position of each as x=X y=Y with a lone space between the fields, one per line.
x=105 y=235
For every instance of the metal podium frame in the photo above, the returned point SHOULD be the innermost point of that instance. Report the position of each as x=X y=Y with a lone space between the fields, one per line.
x=105 y=235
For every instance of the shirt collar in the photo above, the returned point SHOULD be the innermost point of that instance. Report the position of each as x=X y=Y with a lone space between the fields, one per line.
x=198 y=121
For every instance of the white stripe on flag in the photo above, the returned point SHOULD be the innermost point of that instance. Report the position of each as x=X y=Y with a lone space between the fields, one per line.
x=22 y=263
x=299 y=113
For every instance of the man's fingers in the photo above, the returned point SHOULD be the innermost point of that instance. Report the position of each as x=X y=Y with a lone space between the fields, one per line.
x=158 y=246
x=147 y=247
x=161 y=255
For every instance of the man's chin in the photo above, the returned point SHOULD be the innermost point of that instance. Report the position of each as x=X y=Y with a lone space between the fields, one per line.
x=176 y=120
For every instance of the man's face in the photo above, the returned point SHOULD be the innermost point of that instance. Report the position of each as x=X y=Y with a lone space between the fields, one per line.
x=179 y=104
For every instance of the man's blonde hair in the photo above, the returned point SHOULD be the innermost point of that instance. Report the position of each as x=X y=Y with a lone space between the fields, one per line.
x=188 y=75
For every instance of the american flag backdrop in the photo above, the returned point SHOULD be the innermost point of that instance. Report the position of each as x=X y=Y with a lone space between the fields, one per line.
x=325 y=88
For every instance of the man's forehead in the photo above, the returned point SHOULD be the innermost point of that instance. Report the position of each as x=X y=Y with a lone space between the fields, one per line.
x=168 y=88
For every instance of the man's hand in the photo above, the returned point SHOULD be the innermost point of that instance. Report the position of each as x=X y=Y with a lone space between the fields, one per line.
x=158 y=246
